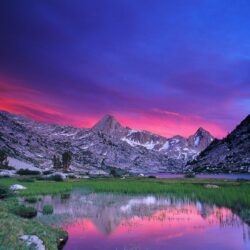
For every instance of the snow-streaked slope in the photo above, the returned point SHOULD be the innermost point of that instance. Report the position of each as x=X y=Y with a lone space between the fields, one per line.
x=107 y=144
x=177 y=147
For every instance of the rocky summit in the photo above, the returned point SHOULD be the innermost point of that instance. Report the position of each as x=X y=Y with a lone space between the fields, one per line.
x=107 y=144
x=231 y=154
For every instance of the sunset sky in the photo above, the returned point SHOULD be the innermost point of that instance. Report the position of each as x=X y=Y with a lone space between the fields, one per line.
x=169 y=67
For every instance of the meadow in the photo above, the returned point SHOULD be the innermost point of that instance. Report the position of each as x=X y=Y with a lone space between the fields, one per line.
x=234 y=194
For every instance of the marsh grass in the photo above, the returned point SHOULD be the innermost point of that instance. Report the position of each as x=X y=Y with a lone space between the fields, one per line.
x=24 y=211
x=31 y=199
x=4 y=192
x=231 y=193
x=65 y=196
x=48 y=209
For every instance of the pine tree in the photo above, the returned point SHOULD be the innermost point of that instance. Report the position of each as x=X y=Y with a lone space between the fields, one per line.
x=66 y=159
x=56 y=161
x=3 y=158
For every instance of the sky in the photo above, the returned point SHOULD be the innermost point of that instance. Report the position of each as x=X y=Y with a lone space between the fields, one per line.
x=165 y=66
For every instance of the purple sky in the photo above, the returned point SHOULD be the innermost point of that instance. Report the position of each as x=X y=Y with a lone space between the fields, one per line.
x=166 y=66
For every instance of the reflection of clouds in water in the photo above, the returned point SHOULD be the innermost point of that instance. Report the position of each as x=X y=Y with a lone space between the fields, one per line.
x=107 y=211
x=150 y=200
x=163 y=218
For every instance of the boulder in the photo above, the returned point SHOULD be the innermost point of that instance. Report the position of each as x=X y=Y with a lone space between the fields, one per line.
x=33 y=242
x=16 y=187
x=63 y=176
x=7 y=173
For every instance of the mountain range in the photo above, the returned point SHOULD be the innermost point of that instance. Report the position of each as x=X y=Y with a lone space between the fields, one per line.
x=107 y=144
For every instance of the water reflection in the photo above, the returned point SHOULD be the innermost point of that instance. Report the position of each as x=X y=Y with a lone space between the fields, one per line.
x=119 y=222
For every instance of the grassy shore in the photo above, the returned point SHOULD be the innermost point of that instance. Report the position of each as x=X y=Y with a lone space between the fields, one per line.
x=13 y=226
x=232 y=194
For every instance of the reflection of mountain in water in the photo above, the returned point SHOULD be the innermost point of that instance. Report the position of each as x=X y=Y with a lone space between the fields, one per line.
x=108 y=211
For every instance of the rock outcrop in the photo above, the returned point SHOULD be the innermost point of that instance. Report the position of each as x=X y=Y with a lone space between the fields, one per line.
x=229 y=154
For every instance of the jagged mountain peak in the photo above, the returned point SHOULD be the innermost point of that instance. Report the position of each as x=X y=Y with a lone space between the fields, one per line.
x=108 y=117
x=108 y=124
x=201 y=132
x=228 y=154
x=201 y=129
x=201 y=138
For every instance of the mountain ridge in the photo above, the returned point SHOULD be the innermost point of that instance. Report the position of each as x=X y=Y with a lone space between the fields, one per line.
x=106 y=144
x=2 y=112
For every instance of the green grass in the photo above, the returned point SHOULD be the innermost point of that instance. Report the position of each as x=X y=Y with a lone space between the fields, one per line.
x=31 y=199
x=230 y=191
x=48 y=209
x=232 y=194
x=4 y=191
x=24 y=211
x=13 y=226
x=40 y=187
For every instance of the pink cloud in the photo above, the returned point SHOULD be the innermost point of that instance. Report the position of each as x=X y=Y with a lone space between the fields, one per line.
x=42 y=107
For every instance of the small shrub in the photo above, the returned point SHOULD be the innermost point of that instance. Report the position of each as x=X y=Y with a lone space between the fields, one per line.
x=48 y=209
x=56 y=177
x=151 y=176
x=27 y=172
x=189 y=175
x=65 y=196
x=47 y=172
x=114 y=173
x=4 y=176
x=25 y=212
x=6 y=167
x=31 y=199
x=71 y=176
x=4 y=192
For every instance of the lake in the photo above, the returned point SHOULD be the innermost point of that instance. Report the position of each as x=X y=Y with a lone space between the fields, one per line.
x=205 y=176
x=123 y=222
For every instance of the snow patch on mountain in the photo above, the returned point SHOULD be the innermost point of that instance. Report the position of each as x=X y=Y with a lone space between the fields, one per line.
x=148 y=145
x=165 y=146
x=197 y=141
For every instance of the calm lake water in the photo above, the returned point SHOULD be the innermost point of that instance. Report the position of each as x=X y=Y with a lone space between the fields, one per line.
x=207 y=176
x=122 y=222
